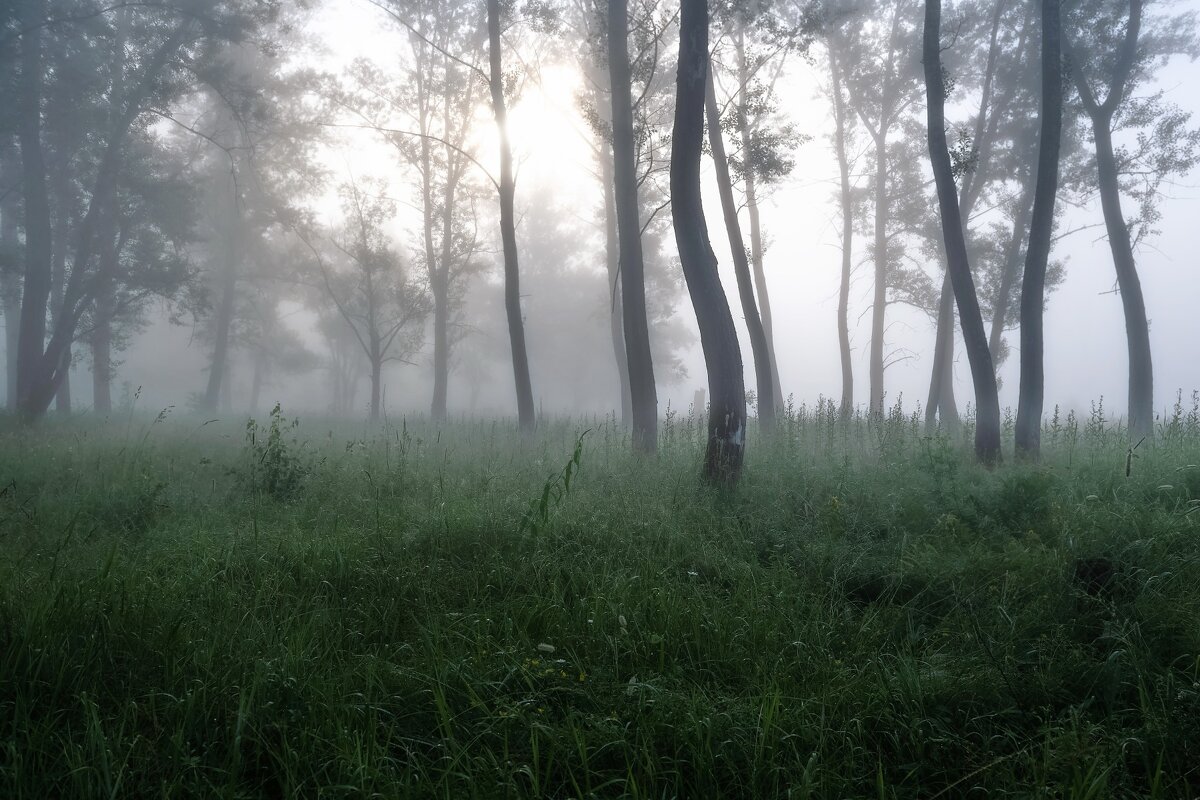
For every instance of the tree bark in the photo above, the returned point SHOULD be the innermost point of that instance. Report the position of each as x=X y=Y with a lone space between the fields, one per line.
x=508 y=229
x=846 y=406
x=718 y=337
x=1033 y=285
x=10 y=280
x=879 y=303
x=636 y=329
x=987 y=402
x=764 y=378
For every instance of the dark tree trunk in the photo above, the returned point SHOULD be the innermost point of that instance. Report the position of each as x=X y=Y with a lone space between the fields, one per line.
x=508 y=229
x=376 y=386
x=10 y=281
x=38 y=235
x=847 y=201
x=441 y=352
x=1137 y=326
x=718 y=336
x=987 y=402
x=1033 y=285
x=741 y=266
x=643 y=396
x=756 y=246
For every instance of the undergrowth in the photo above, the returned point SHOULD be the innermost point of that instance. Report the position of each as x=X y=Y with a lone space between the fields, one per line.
x=406 y=611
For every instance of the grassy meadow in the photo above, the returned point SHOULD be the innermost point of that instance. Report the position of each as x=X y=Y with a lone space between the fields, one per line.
x=215 y=609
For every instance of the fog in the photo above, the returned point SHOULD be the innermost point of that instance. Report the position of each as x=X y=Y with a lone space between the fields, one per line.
x=165 y=354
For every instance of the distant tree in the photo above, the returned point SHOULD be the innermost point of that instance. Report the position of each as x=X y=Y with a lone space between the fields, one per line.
x=1113 y=49
x=987 y=415
x=367 y=284
x=1029 y=406
x=718 y=337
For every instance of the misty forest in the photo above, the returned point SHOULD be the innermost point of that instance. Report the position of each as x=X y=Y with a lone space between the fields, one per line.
x=584 y=399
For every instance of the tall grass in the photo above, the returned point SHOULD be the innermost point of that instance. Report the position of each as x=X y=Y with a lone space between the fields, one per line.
x=216 y=610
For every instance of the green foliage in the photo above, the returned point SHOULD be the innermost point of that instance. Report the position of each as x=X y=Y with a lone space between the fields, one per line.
x=856 y=620
x=272 y=463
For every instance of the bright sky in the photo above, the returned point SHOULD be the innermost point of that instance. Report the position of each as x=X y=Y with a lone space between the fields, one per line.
x=1085 y=340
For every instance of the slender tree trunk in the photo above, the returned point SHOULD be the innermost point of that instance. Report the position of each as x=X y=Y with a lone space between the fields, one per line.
x=60 y=235
x=224 y=319
x=1008 y=278
x=846 y=407
x=1137 y=326
x=741 y=266
x=643 y=396
x=987 y=402
x=879 y=303
x=508 y=229
x=718 y=336
x=756 y=244
x=612 y=258
x=1033 y=286
x=376 y=382
x=101 y=341
x=10 y=284
x=941 y=404
x=441 y=352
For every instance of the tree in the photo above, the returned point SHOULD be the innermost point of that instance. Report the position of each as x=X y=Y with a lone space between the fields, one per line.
x=718 y=337
x=763 y=366
x=385 y=310
x=636 y=331
x=508 y=226
x=1110 y=56
x=1029 y=406
x=163 y=43
x=987 y=403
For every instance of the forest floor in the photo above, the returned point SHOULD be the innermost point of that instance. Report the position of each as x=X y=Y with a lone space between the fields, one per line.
x=334 y=610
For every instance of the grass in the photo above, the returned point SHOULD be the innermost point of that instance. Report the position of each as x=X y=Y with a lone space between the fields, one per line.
x=206 y=610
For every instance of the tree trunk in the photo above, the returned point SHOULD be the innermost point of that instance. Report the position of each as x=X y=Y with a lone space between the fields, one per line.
x=441 y=353
x=508 y=229
x=38 y=237
x=101 y=341
x=612 y=258
x=376 y=387
x=756 y=245
x=718 y=336
x=1033 y=285
x=879 y=303
x=10 y=287
x=846 y=407
x=224 y=319
x=643 y=396
x=941 y=405
x=987 y=402
x=741 y=266
x=1008 y=278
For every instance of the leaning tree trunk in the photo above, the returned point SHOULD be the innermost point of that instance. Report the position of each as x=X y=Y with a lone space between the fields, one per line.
x=847 y=201
x=1033 y=285
x=508 y=228
x=756 y=245
x=987 y=401
x=741 y=266
x=643 y=396
x=718 y=336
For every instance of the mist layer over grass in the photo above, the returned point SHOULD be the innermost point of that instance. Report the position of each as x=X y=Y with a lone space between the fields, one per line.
x=192 y=609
